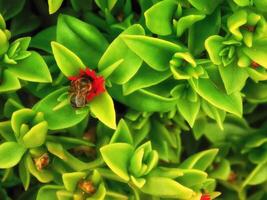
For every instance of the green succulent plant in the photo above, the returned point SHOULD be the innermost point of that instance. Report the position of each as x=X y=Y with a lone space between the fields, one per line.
x=133 y=100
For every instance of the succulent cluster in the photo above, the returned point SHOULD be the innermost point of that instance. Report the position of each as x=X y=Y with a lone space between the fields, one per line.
x=133 y=99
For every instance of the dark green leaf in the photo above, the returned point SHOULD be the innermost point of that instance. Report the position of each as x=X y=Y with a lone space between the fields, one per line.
x=119 y=163
x=82 y=39
x=157 y=53
x=67 y=61
x=62 y=118
x=207 y=89
x=159 y=17
x=117 y=51
x=33 y=68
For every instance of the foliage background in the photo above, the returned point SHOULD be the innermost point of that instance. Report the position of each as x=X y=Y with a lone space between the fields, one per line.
x=183 y=115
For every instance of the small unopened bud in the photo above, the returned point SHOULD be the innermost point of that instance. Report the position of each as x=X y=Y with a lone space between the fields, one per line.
x=255 y=65
x=232 y=177
x=249 y=28
x=120 y=17
x=42 y=161
x=87 y=186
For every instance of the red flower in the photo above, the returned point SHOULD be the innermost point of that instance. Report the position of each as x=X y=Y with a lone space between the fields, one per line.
x=85 y=86
x=205 y=197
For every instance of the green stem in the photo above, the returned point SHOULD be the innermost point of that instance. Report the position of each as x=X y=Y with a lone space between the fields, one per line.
x=135 y=191
x=78 y=165
x=106 y=173
x=116 y=195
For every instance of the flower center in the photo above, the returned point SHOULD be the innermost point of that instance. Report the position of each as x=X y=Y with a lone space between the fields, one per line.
x=84 y=87
x=79 y=90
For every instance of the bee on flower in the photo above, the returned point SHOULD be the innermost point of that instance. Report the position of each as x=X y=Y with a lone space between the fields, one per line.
x=84 y=87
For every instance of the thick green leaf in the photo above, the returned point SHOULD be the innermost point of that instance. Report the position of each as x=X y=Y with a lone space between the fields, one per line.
x=157 y=53
x=38 y=132
x=4 y=44
x=211 y=25
x=9 y=82
x=143 y=160
x=65 y=195
x=6 y=131
x=145 y=77
x=106 y=4
x=117 y=157
x=143 y=100
x=43 y=176
x=205 y=6
x=191 y=174
x=117 y=50
x=257 y=176
x=260 y=4
x=24 y=174
x=188 y=109
x=259 y=74
x=100 y=193
x=256 y=141
x=25 y=22
x=201 y=160
x=63 y=117
x=43 y=39
x=10 y=154
x=68 y=62
x=242 y=2
x=11 y=8
x=235 y=21
x=213 y=113
x=102 y=107
x=54 y=5
x=82 y=39
x=187 y=21
x=71 y=180
x=110 y=69
x=159 y=17
x=256 y=92
x=33 y=68
x=122 y=134
x=222 y=171
x=214 y=45
x=207 y=89
x=168 y=188
x=257 y=52
x=19 y=118
x=167 y=172
x=48 y=191
x=234 y=77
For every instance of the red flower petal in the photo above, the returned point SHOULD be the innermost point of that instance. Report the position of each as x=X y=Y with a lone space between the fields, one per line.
x=90 y=73
x=205 y=197
x=98 y=82
x=73 y=78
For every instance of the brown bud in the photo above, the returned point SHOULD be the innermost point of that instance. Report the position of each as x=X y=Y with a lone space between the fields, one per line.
x=42 y=161
x=232 y=177
x=87 y=186
x=249 y=28
x=120 y=16
x=255 y=65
